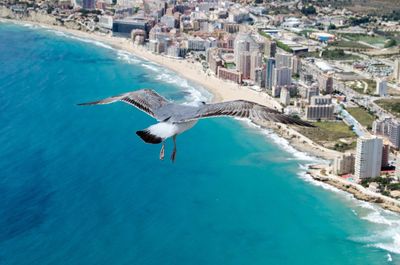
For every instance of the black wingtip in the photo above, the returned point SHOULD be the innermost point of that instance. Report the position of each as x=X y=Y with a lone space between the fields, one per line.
x=148 y=137
x=88 y=103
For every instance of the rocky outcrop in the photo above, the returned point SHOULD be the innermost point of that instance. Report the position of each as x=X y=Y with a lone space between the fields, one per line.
x=358 y=191
x=6 y=13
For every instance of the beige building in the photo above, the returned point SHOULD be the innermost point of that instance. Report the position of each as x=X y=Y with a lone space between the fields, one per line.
x=343 y=164
x=255 y=63
x=285 y=96
x=320 y=112
x=397 y=173
x=269 y=48
x=283 y=60
x=244 y=65
x=230 y=74
x=325 y=82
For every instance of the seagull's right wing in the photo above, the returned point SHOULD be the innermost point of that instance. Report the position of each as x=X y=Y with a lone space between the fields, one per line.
x=146 y=100
x=245 y=109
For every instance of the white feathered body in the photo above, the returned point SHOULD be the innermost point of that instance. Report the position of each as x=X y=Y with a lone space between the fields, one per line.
x=166 y=130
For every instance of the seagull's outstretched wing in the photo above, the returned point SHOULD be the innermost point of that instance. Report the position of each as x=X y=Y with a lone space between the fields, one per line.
x=146 y=100
x=245 y=109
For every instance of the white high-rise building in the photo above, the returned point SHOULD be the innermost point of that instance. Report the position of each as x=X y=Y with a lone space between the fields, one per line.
x=282 y=76
x=283 y=60
x=368 y=157
x=397 y=173
x=381 y=87
x=244 y=42
x=285 y=96
x=256 y=62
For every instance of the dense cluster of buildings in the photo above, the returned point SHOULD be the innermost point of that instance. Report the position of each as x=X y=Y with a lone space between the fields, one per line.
x=239 y=43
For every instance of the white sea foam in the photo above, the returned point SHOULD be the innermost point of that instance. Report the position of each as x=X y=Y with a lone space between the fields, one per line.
x=386 y=224
x=67 y=35
x=385 y=229
x=284 y=144
x=151 y=67
x=127 y=57
x=194 y=93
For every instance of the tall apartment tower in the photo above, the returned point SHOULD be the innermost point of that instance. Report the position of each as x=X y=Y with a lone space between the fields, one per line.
x=244 y=65
x=325 y=82
x=381 y=87
x=269 y=48
x=269 y=73
x=282 y=76
x=296 y=65
x=255 y=63
x=244 y=42
x=285 y=96
x=397 y=174
x=368 y=157
x=283 y=60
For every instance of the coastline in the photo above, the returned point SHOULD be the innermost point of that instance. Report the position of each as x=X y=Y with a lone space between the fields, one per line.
x=220 y=89
x=358 y=191
x=224 y=91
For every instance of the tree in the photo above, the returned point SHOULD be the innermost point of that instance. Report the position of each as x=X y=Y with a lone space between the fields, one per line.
x=332 y=26
x=309 y=10
x=390 y=43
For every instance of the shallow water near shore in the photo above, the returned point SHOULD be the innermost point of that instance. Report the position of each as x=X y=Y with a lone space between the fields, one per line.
x=79 y=187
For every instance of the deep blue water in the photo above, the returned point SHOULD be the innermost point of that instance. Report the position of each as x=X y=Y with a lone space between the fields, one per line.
x=77 y=186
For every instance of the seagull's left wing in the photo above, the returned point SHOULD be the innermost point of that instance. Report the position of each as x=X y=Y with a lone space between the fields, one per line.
x=146 y=100
x=245 y=109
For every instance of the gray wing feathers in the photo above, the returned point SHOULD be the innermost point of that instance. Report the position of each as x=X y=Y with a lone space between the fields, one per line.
x=146 y=100
x=245 y=109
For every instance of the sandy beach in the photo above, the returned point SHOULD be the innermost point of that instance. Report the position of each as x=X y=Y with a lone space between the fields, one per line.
x=224 y=91
x=221 y=90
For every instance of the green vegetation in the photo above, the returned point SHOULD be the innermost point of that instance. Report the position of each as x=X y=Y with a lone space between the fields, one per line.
x=394 y=16
x=385 y=184
x=342 y=147
x=283 y=46
x=366 y=87
x=331 y=131
x=371 y=84
x=363 y=116
x=390 y=43
x=358 y=21
x=230 y=65
x=278 y=42
x=305 y=32
x=392 y=105
x=338 y=54
x=308 y=10
x=370 y=39
x=349 y=45
x=265 y=35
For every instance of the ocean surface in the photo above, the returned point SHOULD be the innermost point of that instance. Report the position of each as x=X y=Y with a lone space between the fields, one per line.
x=77 y=186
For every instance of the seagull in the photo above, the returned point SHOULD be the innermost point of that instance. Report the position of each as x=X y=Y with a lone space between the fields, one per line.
x=174 y=119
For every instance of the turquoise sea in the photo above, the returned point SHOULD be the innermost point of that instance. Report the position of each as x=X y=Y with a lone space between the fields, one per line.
x=77 y=186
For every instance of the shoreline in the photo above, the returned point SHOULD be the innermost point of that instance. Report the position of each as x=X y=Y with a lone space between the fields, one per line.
x=358 y=191
x=224 y=91
x=220 y=89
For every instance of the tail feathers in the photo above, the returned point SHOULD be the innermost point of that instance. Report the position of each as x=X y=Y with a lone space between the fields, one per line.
x=148 y=137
